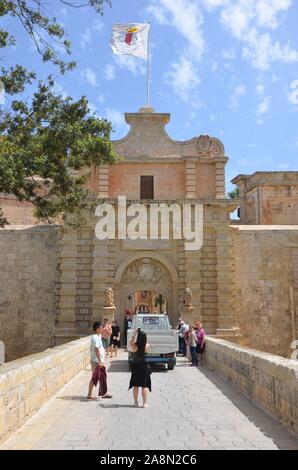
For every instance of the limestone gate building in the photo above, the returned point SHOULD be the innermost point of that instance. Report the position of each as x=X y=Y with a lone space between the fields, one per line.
x=244 y=279
x=156 y=169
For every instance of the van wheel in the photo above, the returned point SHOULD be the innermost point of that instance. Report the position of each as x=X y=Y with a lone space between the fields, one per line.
x=171 y=366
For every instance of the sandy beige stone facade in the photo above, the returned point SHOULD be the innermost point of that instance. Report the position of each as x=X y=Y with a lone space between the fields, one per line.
x=268 y=198
x=266 y=278
x=190 y=171
x=244 y=279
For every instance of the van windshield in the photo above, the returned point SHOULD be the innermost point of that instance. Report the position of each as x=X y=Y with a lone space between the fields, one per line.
x=152 y=322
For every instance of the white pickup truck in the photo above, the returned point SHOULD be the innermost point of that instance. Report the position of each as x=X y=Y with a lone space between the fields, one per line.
x=163 y=340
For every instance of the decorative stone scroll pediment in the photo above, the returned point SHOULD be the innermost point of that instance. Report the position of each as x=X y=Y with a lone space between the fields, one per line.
x=209 y=146
x=148 y=138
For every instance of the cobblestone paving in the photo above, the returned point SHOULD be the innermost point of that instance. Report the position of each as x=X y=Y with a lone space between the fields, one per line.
x=189 y=409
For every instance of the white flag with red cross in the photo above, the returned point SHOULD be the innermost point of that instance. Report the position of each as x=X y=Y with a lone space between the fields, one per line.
x=131 y=39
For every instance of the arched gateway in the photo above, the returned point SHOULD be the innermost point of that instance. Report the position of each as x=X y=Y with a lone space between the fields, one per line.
x=147 y=272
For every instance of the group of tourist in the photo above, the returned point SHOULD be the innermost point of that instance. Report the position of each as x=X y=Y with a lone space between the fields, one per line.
x=110 y=335
x=106 y=336
x=192 y=341
x=106 y=340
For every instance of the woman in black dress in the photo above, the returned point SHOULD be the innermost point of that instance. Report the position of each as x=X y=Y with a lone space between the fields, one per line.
x=140 y=371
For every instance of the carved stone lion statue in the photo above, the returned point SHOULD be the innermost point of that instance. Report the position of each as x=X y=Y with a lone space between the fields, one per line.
x=187 y=298
x=109 y=297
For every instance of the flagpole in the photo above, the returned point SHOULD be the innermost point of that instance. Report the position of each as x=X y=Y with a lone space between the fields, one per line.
x=148 y=68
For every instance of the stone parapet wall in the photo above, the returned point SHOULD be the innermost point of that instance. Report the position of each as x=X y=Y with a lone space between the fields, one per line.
x=27 y=383
x=28 y=280
x=270 y=381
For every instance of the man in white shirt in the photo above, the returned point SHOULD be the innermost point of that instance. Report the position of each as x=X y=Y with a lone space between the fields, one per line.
x=97 y=356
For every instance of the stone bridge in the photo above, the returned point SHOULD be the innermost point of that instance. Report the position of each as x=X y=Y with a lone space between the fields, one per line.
x=240 y=399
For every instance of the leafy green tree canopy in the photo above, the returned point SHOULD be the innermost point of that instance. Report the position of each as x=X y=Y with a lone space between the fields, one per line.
x=45 y=142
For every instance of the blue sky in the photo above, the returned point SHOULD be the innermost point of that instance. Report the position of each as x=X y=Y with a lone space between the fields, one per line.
x=227 y=68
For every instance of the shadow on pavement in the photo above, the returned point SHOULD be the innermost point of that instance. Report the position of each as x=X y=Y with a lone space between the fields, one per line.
x=283 y=438
x=121 y=365
x=116 y=405
x=74 y=398
x=118 y=365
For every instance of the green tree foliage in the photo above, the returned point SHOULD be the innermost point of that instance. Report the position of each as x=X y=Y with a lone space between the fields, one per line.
x=45 y=142
x=234 y=194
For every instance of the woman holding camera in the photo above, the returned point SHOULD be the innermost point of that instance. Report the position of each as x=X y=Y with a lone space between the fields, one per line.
x=140 y=370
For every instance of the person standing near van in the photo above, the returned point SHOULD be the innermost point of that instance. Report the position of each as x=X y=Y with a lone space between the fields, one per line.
x=140 y=371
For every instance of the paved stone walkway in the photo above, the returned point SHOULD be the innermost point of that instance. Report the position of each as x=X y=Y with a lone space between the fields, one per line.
x=189 y=409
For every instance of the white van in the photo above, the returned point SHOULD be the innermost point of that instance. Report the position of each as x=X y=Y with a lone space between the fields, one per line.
x=163 y=340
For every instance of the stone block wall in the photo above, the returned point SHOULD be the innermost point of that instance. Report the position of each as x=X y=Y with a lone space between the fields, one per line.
x=268 y=197
x=266 y=292
x=270 y=381
x=28 y=260
x=17 y=212
x=27 y=383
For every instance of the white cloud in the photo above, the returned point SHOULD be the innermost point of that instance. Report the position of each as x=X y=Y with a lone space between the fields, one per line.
x=187 y=19
x=263 y=106
x=89 y=76
x=247 y=19
x=85 y=38
x=60 y=90
x=260 y=89
x=183 y=78
x=252 y=22
x=109 y=72
x=87 y=35
x=116 y=117
x=238 y=91
x=133 y=64
x=293 y=97
x=98 y=25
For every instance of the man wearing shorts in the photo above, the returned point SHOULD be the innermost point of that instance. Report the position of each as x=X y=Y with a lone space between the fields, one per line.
x=97 y=356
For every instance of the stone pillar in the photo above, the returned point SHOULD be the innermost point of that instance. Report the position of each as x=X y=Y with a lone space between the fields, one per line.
x=209 y=275
x=103 y=181
x=191 y=179
x=227 y=325
x=84 y=279
x=100 y=276
x=220 y=180
x=192 y=280
x=66 y=303
x=107 y=312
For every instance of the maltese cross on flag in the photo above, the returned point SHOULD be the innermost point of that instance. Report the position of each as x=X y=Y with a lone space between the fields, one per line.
x=131 y=39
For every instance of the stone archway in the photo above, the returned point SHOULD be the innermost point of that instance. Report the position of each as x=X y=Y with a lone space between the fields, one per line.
x=150 y=272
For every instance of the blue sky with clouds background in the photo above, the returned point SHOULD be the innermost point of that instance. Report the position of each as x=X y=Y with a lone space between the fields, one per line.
x=220 y=67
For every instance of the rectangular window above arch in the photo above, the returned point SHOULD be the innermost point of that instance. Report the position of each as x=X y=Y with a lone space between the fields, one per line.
x=147 y=187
